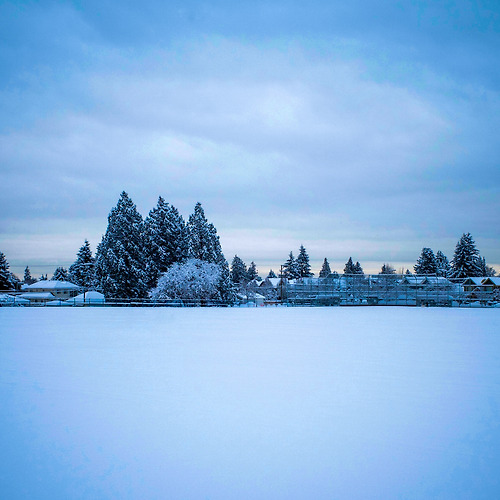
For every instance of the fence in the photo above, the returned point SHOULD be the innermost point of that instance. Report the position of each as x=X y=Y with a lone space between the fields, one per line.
x=391 y=289
x=336 y=290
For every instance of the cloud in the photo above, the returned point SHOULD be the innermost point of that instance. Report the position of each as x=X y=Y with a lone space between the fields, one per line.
x=281 y=142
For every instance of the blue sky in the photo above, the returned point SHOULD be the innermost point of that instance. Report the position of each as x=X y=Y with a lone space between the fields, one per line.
x=355 y=128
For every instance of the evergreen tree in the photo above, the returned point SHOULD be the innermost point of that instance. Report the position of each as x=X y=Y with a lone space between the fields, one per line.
x=290 y=268
x=239 y=273
x=43 y=277
x=225 y=287
x=120 y=261
x=486 y=271
x=442 y=264
x=426 y=263
x=303 y=266
x=7 y=279
x=325 y=269
x=82 y=271
x=358 y=269
x=349 y=267
x=465 y=262
x=271 y=274
x=28 y=279
x=387 y=269
x=204 y=244
x=252 y=273
x=166 y=239
x=60 y=274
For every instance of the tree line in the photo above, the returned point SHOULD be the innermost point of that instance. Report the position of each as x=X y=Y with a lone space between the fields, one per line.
x=167 y=257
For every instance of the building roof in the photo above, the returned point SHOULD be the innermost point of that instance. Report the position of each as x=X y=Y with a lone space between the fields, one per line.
x=51 y=285
x=90 y=297
x=474 y=280
x=37 y=296
x=492 y=279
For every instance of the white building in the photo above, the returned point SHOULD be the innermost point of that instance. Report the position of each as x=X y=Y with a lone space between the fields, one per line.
x=47 y=290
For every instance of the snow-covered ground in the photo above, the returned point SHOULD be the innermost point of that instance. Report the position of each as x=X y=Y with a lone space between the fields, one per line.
x=249 y=403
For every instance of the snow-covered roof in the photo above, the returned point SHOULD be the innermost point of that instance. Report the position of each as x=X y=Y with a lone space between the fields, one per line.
x=437 y=280
x=12 y=299
x=274 y=281
x=474 y=280
x=51 y=285
x=414 y=280
x=37 y=296
x=492 y=279
x=89 y=297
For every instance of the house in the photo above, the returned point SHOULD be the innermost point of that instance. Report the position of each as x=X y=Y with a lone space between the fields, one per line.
x=490 y=284
x=414 y=282
x=472 y=284
x=47 y=290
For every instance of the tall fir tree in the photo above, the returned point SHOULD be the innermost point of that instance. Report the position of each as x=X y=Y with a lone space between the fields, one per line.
x=7 y=279
x=325 y=269
x=204 y=244
x=239 y=273
x=303 y=266
x=442 y=265
x=166 y=239
x=28 y=279
x=357 y=269
x=426 y=263
x=60 y=274
x=349 y=267
x=290 y=268
x=82 y=271
x=120 y=261
x=252 y=273
x=465 y=262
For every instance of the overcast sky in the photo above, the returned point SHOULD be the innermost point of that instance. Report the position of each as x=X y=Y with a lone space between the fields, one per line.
x=363 y=128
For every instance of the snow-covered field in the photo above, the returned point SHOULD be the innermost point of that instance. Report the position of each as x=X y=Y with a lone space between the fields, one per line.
x=249 y=403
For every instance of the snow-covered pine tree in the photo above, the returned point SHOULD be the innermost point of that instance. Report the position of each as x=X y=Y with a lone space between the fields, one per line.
x=349 y=267
x=442 y=265
x=426 y=263
x=290 y=268
x=239 y=273
x=387 y=269
x=486 y=271
x=325 y=269
x=166 y=239
x=60 y=274
x=225 y=286
x=303 y=266
x=28 y=279
x=465 y=262
x=7 y=279
x=120 y=260
x=82 y=271
x=43 y=277
x=252 y=273
x=203 y=240
x=271 y=274
x=357 y=269
x=204 y=244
